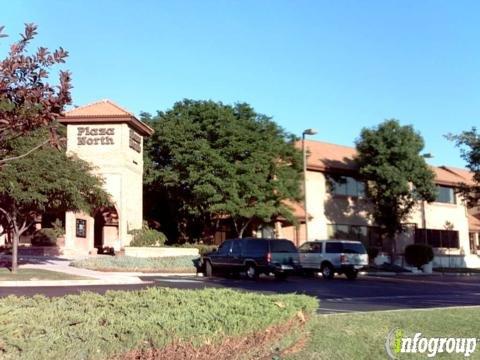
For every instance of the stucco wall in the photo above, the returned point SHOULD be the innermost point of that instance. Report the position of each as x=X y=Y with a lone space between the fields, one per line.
x=327 y=209
x=120 y=166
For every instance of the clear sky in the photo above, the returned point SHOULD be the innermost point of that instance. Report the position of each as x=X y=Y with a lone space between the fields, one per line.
x=336 y=66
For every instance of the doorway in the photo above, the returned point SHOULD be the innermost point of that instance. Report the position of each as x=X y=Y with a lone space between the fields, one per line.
x=105 y=229
x=98 y=231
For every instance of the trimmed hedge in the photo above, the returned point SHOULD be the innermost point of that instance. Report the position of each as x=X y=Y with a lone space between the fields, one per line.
x=418 y=254
x=202 y=248
x=147 y=237
x=93 y=326
x=130 y=263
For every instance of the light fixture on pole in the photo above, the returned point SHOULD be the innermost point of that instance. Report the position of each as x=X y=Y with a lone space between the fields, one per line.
x=304 y=151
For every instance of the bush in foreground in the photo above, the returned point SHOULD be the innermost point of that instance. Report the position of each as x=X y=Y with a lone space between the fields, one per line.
x=130 y=263
x=93 y=326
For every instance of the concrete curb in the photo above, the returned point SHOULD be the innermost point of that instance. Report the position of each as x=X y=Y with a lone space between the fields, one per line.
x=116 y=279
x=41 y=283
x=135 y=273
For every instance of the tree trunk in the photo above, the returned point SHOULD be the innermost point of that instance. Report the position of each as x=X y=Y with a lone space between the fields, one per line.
x=244 y=227
x=393 y=248
x=16 y=240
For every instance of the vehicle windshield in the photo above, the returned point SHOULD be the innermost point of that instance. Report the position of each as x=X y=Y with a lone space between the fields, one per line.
x=284 y=246
x=353 y=248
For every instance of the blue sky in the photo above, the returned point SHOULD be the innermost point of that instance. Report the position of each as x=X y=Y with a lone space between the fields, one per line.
x=336 y=66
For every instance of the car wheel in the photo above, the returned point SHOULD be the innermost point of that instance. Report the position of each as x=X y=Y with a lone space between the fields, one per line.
x=351 y=274
x=251 y=271
x=328 y=271
x=208 y=269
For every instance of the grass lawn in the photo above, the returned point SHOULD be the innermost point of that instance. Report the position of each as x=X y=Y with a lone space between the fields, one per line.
x=362 y=336
x=37 y=274
x=157 y=323
x=181 y=264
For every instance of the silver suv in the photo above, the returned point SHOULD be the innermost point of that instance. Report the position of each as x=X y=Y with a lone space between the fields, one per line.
x=333 y=256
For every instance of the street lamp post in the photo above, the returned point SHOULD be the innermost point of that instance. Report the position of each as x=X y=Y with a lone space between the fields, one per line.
x=304 y=151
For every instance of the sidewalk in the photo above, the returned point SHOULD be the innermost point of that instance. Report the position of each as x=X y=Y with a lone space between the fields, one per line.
x=60 y=264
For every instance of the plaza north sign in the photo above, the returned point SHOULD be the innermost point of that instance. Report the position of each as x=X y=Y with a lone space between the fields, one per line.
x=95 y=136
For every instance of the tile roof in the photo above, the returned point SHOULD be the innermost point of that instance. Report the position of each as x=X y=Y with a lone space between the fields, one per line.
x=98 y=108
x=105 y=111
x=324 y=156
x=473 y=223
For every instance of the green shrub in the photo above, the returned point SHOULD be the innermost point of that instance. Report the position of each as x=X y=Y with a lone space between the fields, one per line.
x=202 y=248
x=147 y=237
x=93 y=326
x=205 y=249
x=418 y=254
x=130 y=263
x=57 y=227
x=45 y=237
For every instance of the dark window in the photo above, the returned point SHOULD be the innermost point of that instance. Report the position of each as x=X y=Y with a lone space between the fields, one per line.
x=473 y=246
x=81 y=228
x=437 y=238
x=306 y=248
x=283 y=246
x=370 y=236
x=317 y=247
x=348 y=186
x=353 y=248
x=256 y=247
x=311 y=247
x=333 y=247
x=224 y=248
x=445 y=194
x=236 y=248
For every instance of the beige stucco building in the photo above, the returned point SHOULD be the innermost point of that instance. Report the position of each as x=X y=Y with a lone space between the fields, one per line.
x=336 y=208
x=111 y=139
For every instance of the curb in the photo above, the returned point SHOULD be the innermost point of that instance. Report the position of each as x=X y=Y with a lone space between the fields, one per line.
x=118 y=279
x=166 y=274
x=39 y=283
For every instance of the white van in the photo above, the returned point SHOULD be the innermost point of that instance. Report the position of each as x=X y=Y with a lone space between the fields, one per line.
x=333 y=256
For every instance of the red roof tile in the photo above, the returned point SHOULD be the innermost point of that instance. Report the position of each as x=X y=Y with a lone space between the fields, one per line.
x=473 y=223
x=105 y=111
x=324 y=156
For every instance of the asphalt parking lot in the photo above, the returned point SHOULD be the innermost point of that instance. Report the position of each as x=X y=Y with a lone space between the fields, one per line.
x=340 y=295
x=364 y=294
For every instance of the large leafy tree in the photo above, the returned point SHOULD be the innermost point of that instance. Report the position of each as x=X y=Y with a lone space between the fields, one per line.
x=46 y=180
x=27 y=100
x=469 y=143
x=397 y=175
x=213 y=162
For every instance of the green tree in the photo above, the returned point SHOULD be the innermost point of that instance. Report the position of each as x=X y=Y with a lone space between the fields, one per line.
x=27 y=100
x=46 y=180
x=396 y=174
x=213 y=161
x=469 y=144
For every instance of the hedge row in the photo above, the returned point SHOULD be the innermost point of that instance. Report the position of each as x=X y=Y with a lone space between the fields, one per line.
x=130 y=263
x=93 y=326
